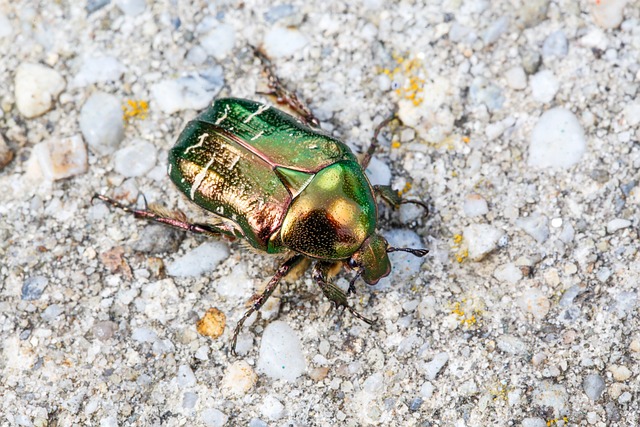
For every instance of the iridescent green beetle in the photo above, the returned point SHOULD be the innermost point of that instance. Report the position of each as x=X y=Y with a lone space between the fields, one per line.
x=283 y=185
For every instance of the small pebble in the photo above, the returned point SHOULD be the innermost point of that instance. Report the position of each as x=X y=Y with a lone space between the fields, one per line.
x=511 y=344
x=433 y=367
x=632 y=114
x=595 y=38
x=60 y=158
x=555 y=45
x=5 y=26
x=509 y=273
x=33 y=287
x=144 y=335
x=544 y=86
x=535 y=302
x=378 y=172
x=212 y=323
x=189 y=400
x=203 y=259
x=136 y=159
x=195 y=91
x=475 y=205
x=131 y=7
x=272 y=408
x=6 y=154
x=156 y=238
x=550 y=394
x=608 y=14
x=256 y=422
x=495 y=30
x=625 y=303
x=212 y=417
x=101 y=123
x=481 y=239
x=36 y=88
x=486 y=93
x=219 y=42
x=239 y=379
x=617 y=224
x=51 y=313
x=556 y=222
x=516 y=78
x=281 y=355
x=557 y=140
x=593 y=386
x=278 y=12
x=620 y=372
x=535 y=225
x=534 y=422
x=104 y=330
x=427 y=389
x=99 y=69
x=185 y=377
x=283 y=42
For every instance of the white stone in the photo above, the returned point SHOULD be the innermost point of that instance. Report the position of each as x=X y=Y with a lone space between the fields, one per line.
x=557 y=140
x=136 y=159
x=272 y=408
x=632 y=114
x=59 y=158
x=36 y=88
x=433 y=367
x=535 y=302
x=281 y=355
x=596 y=38
x=516 y=78
x=405 y=265
x=620 y=372
x=101 y=123
x=203 y=259
x=220 y=41
x=511 y=344
x=509 y=273
x=608 y=14
x=281 y=42
x=131 y=7
x=550 y=394
x=544 y=86
x=5 y=26
x=481 y=239
x=535 y=225
x=593 y=386
x=475 y=205
x=378 y=172
x=185 y=377
x=239 y=379
x=192 y=91
x=534 y=422
x=617 y=224
x=100 y=69
x=495 y=30
x=212 y=417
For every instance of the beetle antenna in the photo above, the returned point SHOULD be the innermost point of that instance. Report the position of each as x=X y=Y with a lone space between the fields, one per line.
x=416 y=252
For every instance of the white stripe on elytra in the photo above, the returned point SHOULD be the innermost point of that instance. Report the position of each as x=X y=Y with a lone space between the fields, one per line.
x=258 y=135
x=201 y=139
x=259 y=111
x=200 y=177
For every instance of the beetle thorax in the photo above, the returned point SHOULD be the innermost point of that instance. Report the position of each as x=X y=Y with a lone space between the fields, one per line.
x=333 y=215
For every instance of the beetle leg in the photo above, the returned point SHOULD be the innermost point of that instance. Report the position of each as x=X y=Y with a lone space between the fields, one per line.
x=332 y=292
x=149 y=214
x=373 y=146
x=394 y=200
x=258 y=301
x=282 y=94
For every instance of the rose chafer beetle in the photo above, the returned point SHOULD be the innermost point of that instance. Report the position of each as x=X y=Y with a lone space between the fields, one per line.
x=283 y=185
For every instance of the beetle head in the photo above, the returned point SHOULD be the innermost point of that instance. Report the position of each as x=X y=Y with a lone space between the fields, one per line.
x=371 y=260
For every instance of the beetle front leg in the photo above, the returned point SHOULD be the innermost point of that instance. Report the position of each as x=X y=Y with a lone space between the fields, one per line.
x=282 y=94
x=373 y=146
x=392 y=197
x=332 y=292
x=258 y=301
x=175 y=222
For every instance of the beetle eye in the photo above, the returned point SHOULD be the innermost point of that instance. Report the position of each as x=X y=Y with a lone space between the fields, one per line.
x=352 y=263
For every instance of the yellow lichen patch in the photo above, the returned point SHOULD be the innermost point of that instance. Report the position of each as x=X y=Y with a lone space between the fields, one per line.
x=461 y=253
x=212 y=323
x=395 y=144
x=500 y=392
x=555 y=421
x=408 y=77
x=466 y=139
x=135 y=109
x=468 y=311
x=405 y=190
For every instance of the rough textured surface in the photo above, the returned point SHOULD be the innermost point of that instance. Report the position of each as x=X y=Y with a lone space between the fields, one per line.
x=532 y=322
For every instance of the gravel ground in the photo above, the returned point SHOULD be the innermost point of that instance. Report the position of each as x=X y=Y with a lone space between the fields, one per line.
x=520 y=128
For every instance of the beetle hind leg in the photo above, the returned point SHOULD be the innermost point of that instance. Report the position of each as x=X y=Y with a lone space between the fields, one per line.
x=334 y=293
x=394 y=200
x=282 y=94
x=258 y=300
x=375 y=142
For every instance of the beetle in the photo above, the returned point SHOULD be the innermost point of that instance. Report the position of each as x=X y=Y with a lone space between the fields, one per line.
x=283 y=185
